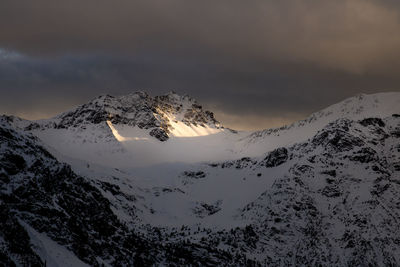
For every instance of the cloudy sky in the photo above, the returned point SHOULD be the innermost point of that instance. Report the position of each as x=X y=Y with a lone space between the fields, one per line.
x=256 y=64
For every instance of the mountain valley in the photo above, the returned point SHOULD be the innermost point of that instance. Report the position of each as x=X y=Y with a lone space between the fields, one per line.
x=141 y=180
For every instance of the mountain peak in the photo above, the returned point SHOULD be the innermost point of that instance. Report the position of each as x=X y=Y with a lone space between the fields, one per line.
x=162 y=116
x=359 y=107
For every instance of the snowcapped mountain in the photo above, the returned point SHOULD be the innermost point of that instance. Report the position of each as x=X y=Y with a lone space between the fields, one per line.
x=135 y=130
x=355 y=108
x=322 y=191
x=160 y=117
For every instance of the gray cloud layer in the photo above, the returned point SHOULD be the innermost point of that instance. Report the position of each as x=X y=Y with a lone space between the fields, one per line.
x=257 y=63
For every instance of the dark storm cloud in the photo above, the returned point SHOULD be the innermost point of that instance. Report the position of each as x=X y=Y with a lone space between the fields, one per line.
x=266 y=62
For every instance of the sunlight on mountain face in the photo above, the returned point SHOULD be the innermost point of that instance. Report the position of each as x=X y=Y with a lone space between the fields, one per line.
x=121 y=138
x=180 y=129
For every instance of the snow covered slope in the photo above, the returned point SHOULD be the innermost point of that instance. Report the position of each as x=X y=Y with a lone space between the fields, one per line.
x=47 y=209
x=323 y=191
x=139 y=130
x=136 y=130
x=332 y=200
x=49 y=216
x=379 y=105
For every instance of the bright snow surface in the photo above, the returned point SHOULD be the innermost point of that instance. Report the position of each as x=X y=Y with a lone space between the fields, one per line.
x=150 y=168
x=189 y=180
x=153 y=169
x=124 y=146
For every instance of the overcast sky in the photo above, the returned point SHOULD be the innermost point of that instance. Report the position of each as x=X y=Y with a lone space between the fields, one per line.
x=256 y=64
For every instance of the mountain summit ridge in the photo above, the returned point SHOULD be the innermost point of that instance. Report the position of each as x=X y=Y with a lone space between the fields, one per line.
x=355 y=108
x=141 y=110
x=175 y=128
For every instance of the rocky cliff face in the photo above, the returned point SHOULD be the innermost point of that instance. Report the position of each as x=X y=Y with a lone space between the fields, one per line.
x=138 y=109
x=45 y=194
x=336 y=203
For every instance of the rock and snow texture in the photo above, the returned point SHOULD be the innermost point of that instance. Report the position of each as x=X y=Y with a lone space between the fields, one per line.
x=323 y=191
x=161 y=116
x=355 y=108
x=337 y=199
x=136 y=130
x=52 y=216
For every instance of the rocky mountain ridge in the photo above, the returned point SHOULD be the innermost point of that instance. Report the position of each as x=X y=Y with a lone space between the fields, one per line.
x=355 y=108
x=137 y=110
x=329 y=198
